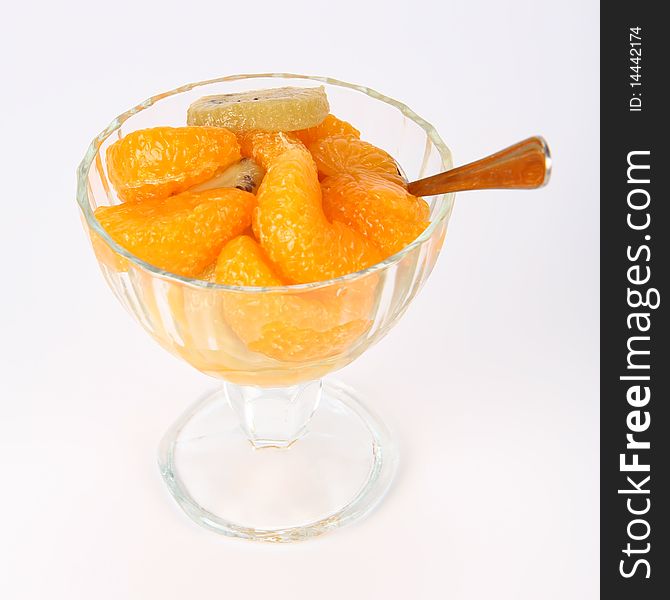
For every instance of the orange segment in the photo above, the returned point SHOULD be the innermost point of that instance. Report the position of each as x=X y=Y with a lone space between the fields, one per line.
x=331 y=125
x=381 y=210
x=291 y=226
x=297 y=344
x=158 y=162
x=264 y=147
x=345 y=154
x=283 y=325
x=243 y=262
x=181 y=234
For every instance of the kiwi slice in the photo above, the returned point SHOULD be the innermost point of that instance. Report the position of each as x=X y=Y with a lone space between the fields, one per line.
x=276 y=109
x=244 y=175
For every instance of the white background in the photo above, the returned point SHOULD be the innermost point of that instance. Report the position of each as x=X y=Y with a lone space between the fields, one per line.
x=489 y=382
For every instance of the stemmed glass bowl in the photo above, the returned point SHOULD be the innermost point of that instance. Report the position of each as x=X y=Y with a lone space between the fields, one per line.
x=275 y=452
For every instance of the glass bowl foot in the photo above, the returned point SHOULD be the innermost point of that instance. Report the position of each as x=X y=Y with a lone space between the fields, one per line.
x=335 y=473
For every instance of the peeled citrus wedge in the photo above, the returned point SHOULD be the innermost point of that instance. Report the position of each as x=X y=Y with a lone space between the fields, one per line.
x=182 y=234
x=331 y=125
x=265 y=147
x=292 y=228
x=383 y=211
x=284 y=325
x=161 y=161
x=346 y=154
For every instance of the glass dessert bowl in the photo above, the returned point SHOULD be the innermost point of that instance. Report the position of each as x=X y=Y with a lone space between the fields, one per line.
x=275 y=453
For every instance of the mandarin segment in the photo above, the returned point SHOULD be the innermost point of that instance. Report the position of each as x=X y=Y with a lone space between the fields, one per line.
x=161 y=161
x=106 y=256
x=182 y=234
x=265 y=147
x=331 y=125
x=381 y=210
x=291 y=226
x=345 y=154
x=283 y=325
x=243 y=262
x=296 y=344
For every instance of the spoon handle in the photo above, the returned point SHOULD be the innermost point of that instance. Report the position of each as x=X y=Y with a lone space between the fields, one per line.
x=526 y=165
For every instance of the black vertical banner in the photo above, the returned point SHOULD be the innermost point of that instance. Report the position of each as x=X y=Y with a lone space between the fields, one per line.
x=635 y=251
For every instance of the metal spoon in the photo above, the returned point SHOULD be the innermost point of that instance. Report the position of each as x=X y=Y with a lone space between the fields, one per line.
x=526 y=165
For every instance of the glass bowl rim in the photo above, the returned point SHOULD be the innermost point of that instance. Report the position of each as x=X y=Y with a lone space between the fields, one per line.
x=85 y=165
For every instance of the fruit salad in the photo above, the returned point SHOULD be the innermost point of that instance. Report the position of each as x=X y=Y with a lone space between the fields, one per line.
x=264 y=189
